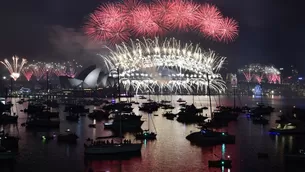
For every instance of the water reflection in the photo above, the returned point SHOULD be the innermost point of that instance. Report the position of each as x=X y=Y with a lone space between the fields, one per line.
x=171 y=151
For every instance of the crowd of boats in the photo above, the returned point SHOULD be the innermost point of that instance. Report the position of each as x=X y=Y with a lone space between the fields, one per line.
x=120 y=118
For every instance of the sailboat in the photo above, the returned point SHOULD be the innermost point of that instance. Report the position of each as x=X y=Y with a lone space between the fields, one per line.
x=146 y=134
x=206 y=137
x=106 y=148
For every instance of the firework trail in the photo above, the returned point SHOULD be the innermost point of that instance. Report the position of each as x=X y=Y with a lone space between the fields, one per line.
x=15 y=68
x=118 y=22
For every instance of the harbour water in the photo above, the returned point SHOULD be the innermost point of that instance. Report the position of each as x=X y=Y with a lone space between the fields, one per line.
x=171 y=152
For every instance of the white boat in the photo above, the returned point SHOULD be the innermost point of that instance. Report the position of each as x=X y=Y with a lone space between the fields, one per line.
x=106 y=149
x=289 y=128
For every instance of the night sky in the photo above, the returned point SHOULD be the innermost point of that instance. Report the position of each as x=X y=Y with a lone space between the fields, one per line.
x=271 y=32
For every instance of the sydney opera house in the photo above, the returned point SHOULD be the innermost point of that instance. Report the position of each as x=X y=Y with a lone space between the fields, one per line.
x=90 y=78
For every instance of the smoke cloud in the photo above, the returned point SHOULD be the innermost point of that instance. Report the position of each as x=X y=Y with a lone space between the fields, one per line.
x=73 y=44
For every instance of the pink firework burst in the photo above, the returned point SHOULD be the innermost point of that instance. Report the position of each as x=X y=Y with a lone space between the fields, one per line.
x=28 y=73
x=259 y=78
x=108 y=23
x=116 y=22
x=94 y=27
x=181 y=14
x=228 y=30
x=144 y=22
x=208 y=20
x=128 y=6
x=160 y=10
x=111 y=14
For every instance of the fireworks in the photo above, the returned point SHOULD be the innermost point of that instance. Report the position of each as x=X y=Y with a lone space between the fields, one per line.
x=273 y=75
x=260 y=72
x=118 y=22
x=39 y=70
x=165 y=64
x=14 y=68
x=28 y=73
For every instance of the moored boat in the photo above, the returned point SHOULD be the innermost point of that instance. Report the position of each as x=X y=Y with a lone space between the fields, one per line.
x=67 y=137
x=207 y=137
x=288 y=128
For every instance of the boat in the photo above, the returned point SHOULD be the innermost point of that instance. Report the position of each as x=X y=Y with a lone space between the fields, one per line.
x=207 y=137
x=7 y=154
x=9 y=142
x=180 y=100
x=7 y=118
x=123 y=147
x=146 y=134
x=142 y=97
x=99 y=114
x=220 y=163
x=288 y=128
x=67 y=137
x=260 y=120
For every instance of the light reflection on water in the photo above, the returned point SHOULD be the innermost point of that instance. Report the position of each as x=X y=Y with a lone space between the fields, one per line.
x=171 y=151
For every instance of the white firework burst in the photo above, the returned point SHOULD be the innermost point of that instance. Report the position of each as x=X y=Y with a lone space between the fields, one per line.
x=187 y=66
x=15 y=68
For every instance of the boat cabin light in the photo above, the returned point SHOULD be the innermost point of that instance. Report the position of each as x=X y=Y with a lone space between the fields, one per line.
x=68 y=130
x=223 y=133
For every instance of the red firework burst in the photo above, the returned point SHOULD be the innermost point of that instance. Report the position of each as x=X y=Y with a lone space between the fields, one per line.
x=228 y=30
x=182 y=14
x=144 y=23
x=208 y=20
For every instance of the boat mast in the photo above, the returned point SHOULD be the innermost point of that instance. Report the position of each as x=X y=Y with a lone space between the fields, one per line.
x=234 y=97
x=209 y=92
x=119 y=100
x=219 y=98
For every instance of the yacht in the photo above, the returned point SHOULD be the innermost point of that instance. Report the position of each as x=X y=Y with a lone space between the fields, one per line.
x=207 y=137
x=288 y=128
x=67 y=137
